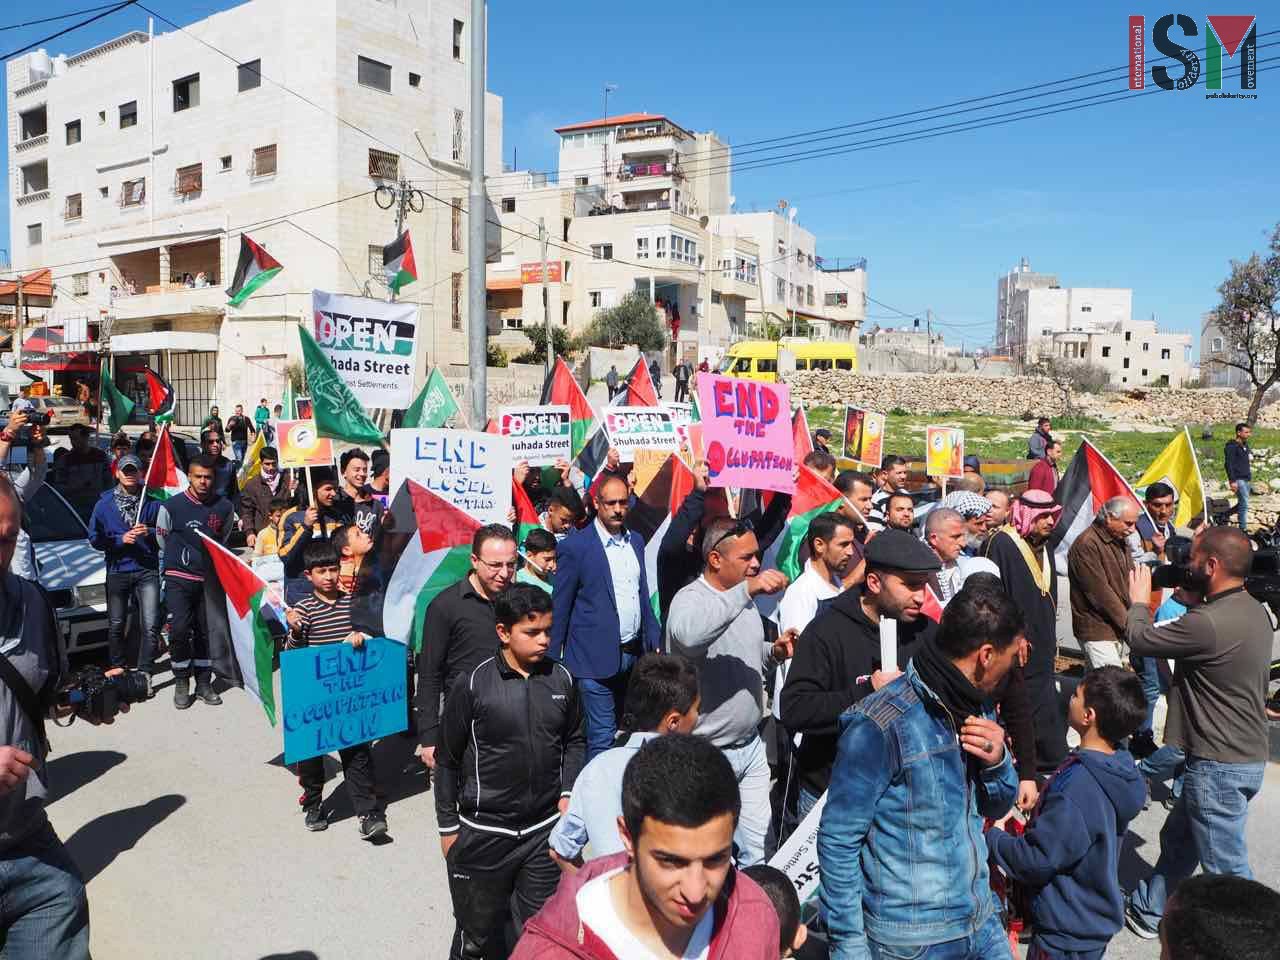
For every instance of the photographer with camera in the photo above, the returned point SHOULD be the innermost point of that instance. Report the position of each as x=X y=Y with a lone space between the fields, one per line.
x=23 y=431
x=1221 y=650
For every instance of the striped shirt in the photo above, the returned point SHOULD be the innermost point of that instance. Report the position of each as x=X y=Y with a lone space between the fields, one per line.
x=323 y=622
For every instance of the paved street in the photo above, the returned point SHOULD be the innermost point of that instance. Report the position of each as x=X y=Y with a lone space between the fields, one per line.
x=187 y=829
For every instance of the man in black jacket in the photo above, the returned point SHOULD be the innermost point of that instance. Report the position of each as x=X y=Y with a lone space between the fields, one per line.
x=837 y=658
x=1235 y=458
x=514 y=724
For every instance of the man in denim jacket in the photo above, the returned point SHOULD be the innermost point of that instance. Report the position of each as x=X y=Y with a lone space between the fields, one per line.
x=920 y=763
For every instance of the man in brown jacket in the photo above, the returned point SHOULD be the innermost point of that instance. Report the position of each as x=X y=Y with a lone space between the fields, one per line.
x=1098 y=566
x=256 y=497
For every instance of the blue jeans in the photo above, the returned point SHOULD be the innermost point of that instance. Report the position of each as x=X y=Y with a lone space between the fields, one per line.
x=751 y=767
x=145 y=586
x=989 y=942
x=1167 y=763
x=1205 y=828
x=1242 y=509
x=238 y=452
x=602 y=703
x=1149 y=674
x=44 y=913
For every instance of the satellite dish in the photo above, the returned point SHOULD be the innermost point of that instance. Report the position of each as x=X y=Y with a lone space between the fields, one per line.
x=703 y=221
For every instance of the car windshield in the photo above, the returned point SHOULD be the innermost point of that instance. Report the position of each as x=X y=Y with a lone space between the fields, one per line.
x=726 y=363
x=48 y=519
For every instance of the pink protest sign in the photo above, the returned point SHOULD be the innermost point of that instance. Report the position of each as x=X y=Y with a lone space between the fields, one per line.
x=747 y=433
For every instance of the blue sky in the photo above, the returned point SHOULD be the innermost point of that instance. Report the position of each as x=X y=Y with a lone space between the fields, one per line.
x=1156 y=193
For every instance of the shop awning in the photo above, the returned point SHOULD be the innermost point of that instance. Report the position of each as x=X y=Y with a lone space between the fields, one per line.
x=45 y=349
x=504 y=283
x=37 y=290
x=156 y=340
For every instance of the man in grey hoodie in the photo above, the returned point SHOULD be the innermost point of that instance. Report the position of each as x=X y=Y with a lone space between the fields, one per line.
x=714 y=623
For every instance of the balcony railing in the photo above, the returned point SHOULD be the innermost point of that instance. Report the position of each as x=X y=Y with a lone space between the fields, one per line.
x=636 y=171
x=35 y=196
x=31 y=143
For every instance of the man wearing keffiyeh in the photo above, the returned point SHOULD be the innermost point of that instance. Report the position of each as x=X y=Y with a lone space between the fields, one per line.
x=975 y=509
x=1019 y=550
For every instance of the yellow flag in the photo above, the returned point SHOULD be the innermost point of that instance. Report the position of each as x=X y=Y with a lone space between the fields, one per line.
x=252 y=466
x=1177 y=467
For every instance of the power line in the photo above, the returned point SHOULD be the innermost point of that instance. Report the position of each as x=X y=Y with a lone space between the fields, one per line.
x=61 y=16
x=74 y=26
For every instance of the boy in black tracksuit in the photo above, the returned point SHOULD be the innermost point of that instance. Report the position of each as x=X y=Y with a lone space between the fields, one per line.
x=1069 y=856
x=514 y=724
x=184 y=563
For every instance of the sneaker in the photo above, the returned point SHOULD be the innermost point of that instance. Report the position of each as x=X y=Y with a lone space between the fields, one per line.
x=372 y=825
x=316 y=820
x=1138 y=926
x=205 y=691
x=182 y=693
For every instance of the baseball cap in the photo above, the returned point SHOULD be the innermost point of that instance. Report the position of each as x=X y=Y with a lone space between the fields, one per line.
x=127 y=461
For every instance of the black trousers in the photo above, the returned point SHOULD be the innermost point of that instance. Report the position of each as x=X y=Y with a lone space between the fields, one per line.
x=497 y=883
x=188 y=631
x=1048 y=717
x=682 y=391
x=357 y=769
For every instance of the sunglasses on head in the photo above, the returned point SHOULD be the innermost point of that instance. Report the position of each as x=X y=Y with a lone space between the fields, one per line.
x=737 y=530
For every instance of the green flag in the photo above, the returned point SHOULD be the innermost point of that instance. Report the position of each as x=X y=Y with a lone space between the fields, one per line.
x=289 y=407
x=433 y=405
x=337 y=413
x=118 y=406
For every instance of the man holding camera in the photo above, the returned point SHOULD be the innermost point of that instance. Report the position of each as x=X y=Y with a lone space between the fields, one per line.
x=21 y=432
x=1217 y=715
x=44 y=912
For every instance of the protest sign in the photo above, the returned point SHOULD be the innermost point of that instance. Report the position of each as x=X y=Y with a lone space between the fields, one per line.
x=646 y=466
x=681 y=417
x=798 y=857
x=300 y=446
x=541 y=435
x=631 y=428
x=747 y=431
x=372 y=344
x=864 y=436
x=468 y=468
x=335 y=696
x=302 y=409
x=944 y=452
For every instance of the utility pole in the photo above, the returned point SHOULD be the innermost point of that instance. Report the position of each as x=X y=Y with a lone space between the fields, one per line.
x=546 y=306
x=928 y=328
x=404 y=197
x=478 y=330
x=608 y=88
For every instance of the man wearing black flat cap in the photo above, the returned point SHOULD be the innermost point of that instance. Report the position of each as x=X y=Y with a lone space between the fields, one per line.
x=837 y=658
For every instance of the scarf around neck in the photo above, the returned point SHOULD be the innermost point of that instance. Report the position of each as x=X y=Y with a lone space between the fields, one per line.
x=126 y=504
x=960 y=697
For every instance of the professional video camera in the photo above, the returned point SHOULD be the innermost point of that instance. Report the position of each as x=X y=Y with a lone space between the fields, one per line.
x=1262 y=582
x=94 y=696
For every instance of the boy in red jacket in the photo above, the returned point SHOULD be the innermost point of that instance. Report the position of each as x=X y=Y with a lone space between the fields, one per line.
x=675 y=891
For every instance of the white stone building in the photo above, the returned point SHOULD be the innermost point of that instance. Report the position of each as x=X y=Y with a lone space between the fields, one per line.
x=142 y=160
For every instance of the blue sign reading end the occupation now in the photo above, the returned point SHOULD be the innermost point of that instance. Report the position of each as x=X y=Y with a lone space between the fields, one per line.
x=336 y=696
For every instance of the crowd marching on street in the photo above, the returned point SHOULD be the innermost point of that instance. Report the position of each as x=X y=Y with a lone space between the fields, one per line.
x=620 y=736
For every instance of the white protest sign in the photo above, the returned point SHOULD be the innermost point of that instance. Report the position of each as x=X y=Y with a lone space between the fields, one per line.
x=888 y=644
x=632 y=428
x=541 y=435
x=470 y=469
x=798 y=857
x=681 y=417
x=371 y=343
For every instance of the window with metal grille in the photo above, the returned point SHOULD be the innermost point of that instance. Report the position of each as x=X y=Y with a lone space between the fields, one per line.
x=80 y=284
x=193 y=376
x=455 y=224
x=129 y=114
x=459 y=150
x=133 y=192
x=457 y=40
x=249 y=76
x=602 y=251
x=508 y=204
x=383 y=165
x=73 y=132
x=457 y=301
x=224 y=163
x=264 y=161
x=371 y=73
x=375 y=260
x=190 y=179
x=74 y=208
x=186 y=93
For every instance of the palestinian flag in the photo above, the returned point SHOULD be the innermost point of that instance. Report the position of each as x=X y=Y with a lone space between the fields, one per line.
x=592 y=458
x=814 y=495
x=254 y=268
x=397 y=263
x=1089 y=482
x=800 y=435
x=161 y=399
x=435 y=555
x=164 y=479
x=932 y=605
x=526 y=515
x=118 y=406
x=234 y=601
x=652 y=513
x=562 y=388
x=640 y=391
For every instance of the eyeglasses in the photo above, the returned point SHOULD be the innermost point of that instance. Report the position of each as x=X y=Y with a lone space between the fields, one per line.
x=737 y=530
x=499 y=565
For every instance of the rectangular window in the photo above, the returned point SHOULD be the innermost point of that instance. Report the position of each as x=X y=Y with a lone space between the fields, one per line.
x=1126 y=363
x=457 y=40
x=74 y=209
x=129 y=114
x=375 y=260
x=80 y=284
x=1086 y=309
x=35 y=234
x=104 y=192
x=190 y=179
x=1127 y=336
x=1106 y=351
x=642 y=248
x=459 y=148
x=1146 y=347
x=660 y=247
x=371 y=73
x=415 y=80
x=1164 y=355
x=455 y=224
x=508 y=204
x=383 y=165
x=1217 y=344
x=249 y=76
x=799 y=256
x=224 y=163
x=73 y=132
x=602 y=251
x=186 y=93
x=782 y=290
x=457 y=301
x=715 y=296
x=1144 y=372
x=595 y=298
x=264 y=161
x=133 y=192
x=579 y=181
x=809 y=294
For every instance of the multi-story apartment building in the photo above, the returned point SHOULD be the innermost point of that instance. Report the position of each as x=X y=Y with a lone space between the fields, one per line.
x=641 y=204
x=1014 y=282
x=1216 y=346
x=1134 y=354
x=139 y=163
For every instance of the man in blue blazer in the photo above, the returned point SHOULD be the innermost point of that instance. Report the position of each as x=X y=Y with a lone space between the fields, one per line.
x=602 y=620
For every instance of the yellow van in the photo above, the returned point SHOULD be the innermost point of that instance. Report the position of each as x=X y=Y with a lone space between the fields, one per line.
x=761 y=359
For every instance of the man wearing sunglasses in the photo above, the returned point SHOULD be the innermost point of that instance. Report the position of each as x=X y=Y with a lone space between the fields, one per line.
x=603 y=619
x=714 y=622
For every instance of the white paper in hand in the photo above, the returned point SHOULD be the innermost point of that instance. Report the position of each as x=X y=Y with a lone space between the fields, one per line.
x=888 y=645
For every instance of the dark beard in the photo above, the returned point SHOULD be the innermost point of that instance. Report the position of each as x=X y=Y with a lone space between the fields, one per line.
x=1035 y=540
